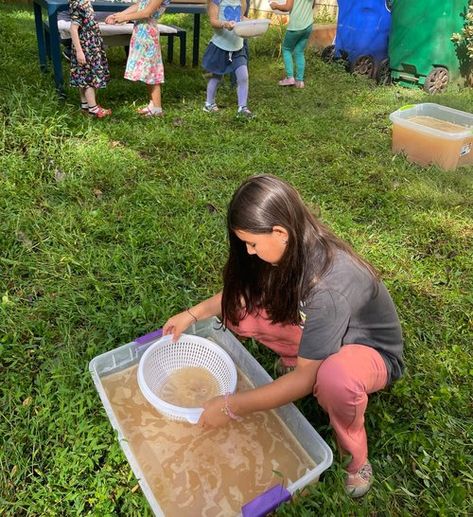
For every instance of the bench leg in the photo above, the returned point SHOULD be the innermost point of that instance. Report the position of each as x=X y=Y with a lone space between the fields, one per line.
x=170 y=48
x=182 y=48
x=55 y=45
x=48 y=44
x=40 y=37
x=196 y=37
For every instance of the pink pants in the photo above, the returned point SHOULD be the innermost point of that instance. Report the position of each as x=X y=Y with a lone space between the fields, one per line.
x=344 y=380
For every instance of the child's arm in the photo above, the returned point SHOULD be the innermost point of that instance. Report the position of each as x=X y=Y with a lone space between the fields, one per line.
x=243 y=10
x=127 y=16
x=111 y=19
x=206 y=309
x=213 y=17
x=285 y=389
x=74 y=30
x=286 y=6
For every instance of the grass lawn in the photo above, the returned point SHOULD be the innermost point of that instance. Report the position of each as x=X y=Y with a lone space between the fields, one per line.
x=108 y=227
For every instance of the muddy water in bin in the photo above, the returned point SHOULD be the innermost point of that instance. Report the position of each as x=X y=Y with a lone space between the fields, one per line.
x=426 y=148
x=209 y=473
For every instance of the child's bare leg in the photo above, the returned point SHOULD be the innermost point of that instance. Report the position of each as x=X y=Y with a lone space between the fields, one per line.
x=89 y=94
x=154 y=106
x=155 y=94
x=94 y=108
x=83 y=99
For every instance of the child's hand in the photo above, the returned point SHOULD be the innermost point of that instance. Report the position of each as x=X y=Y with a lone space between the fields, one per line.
x=81 y=57
x=120 y=18
x=110 y=20
x=177 y=324
x=229 y=25
x=213 y=415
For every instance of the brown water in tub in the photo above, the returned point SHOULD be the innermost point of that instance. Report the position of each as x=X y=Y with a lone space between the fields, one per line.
x=424 y=148
x=208 y=473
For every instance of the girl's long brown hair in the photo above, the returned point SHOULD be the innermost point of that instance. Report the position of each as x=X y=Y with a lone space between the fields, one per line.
x=251 y=284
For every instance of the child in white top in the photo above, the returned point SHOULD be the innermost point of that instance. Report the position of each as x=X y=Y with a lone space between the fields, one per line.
x=226 y=53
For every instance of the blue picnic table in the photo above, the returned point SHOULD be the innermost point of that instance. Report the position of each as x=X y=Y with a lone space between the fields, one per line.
x=52 y=8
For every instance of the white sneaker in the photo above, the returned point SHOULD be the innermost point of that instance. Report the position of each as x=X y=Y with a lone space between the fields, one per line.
x=210 y=108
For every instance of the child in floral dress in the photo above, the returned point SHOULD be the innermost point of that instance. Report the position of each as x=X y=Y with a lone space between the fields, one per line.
x=144 y=59
x=89 y=65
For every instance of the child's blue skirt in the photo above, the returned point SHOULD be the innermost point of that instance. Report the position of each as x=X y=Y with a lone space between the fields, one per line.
x=220 y=62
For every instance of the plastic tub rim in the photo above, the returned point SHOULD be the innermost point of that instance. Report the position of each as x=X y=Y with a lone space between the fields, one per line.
x=396 y=119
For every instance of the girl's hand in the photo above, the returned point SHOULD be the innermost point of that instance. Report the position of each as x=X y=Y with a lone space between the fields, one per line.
x=177 y=324
x=81 y=57
x=120 y=18
x=110 y=20
x=213 y=415
x=229 y=25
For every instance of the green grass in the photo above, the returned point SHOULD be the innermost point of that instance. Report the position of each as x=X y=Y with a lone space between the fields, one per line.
x=108 y=227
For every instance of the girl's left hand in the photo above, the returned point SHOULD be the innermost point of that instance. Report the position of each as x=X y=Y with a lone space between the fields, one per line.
x=213 y=415
x=110 y=20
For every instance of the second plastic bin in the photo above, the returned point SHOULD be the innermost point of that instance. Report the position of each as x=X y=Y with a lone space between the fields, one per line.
x=430 y=133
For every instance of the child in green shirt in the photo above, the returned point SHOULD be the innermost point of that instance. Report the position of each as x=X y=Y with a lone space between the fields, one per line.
x=297 y=35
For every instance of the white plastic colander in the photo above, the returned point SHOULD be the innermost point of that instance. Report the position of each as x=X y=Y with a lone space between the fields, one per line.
x=164 y=357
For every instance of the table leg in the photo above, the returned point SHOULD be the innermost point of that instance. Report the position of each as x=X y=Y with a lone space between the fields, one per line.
x=55 y=45
x=38 y=21
x=196 y=39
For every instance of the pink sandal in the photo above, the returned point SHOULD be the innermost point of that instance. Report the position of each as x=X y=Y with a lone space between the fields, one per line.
x=100 y=112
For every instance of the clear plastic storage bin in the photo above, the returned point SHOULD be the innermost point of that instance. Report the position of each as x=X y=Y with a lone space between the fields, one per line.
x=430 y=133
x=122 y=359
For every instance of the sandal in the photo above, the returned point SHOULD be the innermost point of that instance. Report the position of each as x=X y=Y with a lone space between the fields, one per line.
x=148 y=112
x=100 y=112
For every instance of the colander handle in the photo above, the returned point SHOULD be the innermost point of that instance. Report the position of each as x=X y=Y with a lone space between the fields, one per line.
x=193 y=419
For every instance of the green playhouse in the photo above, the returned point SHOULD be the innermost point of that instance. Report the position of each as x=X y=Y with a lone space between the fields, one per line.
x=421 y=50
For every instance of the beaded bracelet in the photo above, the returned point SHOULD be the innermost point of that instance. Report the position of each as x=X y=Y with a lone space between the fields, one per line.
x=189 y=311
x=228 y=412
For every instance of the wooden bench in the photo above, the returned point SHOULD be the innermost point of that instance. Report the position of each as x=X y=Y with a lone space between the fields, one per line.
x=119 y=36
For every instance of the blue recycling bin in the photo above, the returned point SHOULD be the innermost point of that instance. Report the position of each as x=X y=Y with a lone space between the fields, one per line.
x=362 y=35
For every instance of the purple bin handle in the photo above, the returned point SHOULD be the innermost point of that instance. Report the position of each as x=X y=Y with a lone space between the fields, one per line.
x=149 y=337
x=266 y=502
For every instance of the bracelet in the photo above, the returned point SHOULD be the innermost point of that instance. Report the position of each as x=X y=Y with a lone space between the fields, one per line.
x=189 y=311
x=228 y=412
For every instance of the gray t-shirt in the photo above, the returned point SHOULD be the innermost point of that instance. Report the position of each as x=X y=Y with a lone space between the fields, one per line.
x=345 y=308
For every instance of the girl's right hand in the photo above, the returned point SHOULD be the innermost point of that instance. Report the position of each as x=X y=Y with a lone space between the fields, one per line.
x=110 y=19
x=177 y=324
x=229 y=25
x=81 y=57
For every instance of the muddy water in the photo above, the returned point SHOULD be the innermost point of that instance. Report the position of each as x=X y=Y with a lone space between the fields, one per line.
x=210 y=473
x=440 y=125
